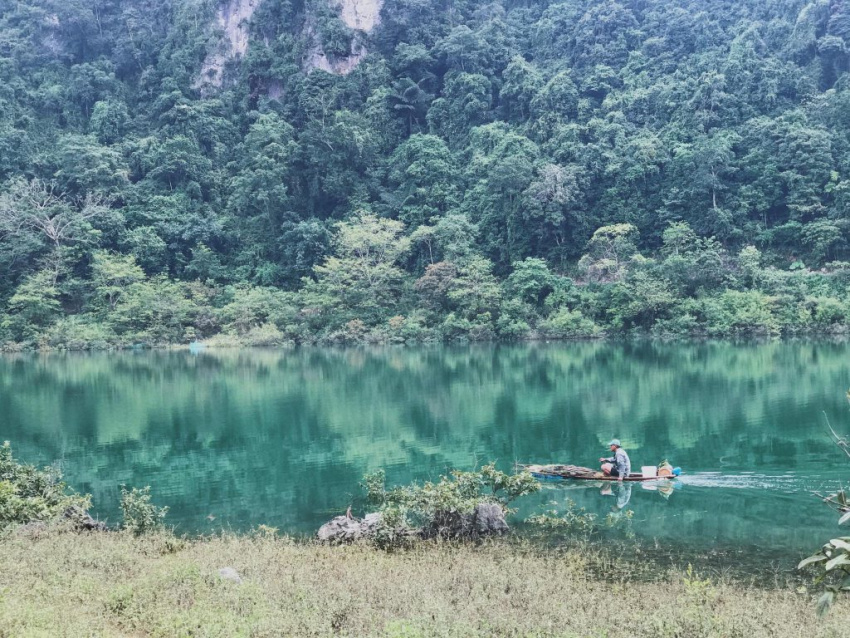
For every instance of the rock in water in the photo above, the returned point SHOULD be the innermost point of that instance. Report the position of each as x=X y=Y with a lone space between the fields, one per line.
x=369 y=524
x=228 y=573
x=488 y=519
x=346 y=530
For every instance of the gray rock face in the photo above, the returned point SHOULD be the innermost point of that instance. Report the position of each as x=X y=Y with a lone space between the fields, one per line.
x=347 y=530
x=489 y=519
x=370 y=523
x=229 y=573
x=82 y=520
x=486 y=519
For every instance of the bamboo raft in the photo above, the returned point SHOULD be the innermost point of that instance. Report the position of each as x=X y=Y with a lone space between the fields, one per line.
x=579 y=473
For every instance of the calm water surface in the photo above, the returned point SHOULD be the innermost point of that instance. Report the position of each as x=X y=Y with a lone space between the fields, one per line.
x=237 y=438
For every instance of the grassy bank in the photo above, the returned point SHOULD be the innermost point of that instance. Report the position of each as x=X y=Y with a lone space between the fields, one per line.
x=56 y=583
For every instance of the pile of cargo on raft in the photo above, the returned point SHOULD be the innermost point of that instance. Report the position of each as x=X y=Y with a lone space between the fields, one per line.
x=579 y=473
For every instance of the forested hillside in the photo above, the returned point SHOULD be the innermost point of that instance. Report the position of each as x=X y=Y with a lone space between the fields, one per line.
x=275 y=171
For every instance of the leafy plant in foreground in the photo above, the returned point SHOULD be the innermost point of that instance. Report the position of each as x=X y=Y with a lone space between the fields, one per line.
x=833 y=559
x=140 y=515
x=30 y=494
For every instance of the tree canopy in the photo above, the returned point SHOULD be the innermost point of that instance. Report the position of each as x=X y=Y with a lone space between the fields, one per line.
x=461 y=170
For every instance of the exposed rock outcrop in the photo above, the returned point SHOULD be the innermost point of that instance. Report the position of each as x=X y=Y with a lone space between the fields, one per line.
x=343 y=529
x=82 y=520
x=360 y=15
x=488 y=519
x=232 y=17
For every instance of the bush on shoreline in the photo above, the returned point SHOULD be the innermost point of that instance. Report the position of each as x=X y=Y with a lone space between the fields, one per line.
x=29 y=494
x=451 y=302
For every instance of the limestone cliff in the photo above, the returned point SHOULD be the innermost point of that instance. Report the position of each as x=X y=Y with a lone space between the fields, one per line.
x=232 y=18
x=359 y=15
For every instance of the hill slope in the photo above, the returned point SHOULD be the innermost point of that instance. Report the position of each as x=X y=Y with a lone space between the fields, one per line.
x=177 y=169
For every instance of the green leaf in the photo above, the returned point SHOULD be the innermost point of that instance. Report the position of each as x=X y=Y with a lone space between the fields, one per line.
x=811 y=559
x=838 y=561
x=825 y=602
x=839 y=543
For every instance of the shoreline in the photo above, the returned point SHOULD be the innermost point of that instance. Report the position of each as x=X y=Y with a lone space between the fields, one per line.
x=114 y=584
x=624 y=339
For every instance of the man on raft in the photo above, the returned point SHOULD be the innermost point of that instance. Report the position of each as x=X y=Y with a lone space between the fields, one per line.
x=618 y=465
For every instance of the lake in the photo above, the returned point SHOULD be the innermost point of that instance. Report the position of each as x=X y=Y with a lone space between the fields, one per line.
x=236 y=438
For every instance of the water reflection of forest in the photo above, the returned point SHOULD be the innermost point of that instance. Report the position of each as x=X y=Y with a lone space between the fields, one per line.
x=285 y=435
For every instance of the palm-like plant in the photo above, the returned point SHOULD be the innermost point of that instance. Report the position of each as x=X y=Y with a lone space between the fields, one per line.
x=411 y=99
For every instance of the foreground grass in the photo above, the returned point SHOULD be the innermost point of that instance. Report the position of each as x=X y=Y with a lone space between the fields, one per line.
x=65 y=584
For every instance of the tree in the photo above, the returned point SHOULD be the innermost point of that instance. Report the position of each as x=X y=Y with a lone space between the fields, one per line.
x=40 y=207
x=466 y=103
x=112 y=274
x=362 y=280
x=553 y=206
x=434 y=286
x=423 y=176
x=521 y=83
x=410 y=100
x=704 y=169
x=607 y=251
x=33 y=307
x=532 y=281
x=475 y=291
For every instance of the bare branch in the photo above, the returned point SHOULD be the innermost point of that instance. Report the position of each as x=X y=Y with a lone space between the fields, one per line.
x=39 y=207
x=842 y=442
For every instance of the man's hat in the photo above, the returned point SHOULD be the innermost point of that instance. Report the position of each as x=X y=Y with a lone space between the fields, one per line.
x=614 y=442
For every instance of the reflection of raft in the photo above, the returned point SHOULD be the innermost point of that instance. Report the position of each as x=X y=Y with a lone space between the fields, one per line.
x=578 y=473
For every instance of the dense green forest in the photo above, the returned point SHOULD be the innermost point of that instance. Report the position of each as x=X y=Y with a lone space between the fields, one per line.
x=458 y=170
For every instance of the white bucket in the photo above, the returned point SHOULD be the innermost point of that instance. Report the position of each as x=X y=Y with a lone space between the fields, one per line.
x=649 y=471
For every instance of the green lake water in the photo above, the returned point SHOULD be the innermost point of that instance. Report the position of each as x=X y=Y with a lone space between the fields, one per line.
x=233 y=439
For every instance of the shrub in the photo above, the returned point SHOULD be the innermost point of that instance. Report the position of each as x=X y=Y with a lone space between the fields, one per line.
x=76 y=333
x=569 y=324
x=267 y=334
x=30 y=494
x=829 y=311
x=140 y=515
x=573 y=522
x=252 y=307
x=438 y=509
x=832 y=562
x=740 y=313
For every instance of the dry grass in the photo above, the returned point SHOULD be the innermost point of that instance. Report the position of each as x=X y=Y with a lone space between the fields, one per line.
x=65 y=584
